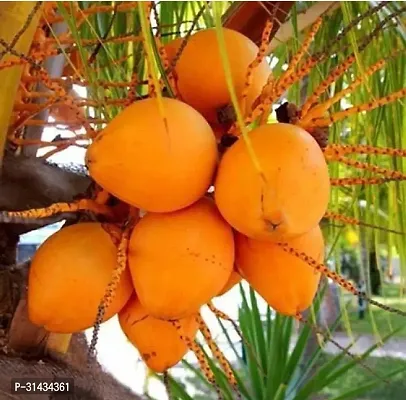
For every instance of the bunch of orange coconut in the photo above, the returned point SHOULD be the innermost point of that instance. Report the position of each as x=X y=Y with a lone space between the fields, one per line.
x=162 y=158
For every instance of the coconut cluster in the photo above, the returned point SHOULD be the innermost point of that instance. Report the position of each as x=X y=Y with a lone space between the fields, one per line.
x=161 y=156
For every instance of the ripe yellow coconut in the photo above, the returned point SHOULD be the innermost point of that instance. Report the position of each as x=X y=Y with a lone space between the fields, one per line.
x=156 y=164
x=286 y=283
x=287 y=197
x=181 y=260
x=68 y=277
x=158 y=341
x=203 y=84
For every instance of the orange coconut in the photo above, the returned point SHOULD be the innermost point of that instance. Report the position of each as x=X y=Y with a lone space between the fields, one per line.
x=158 y=341
x=235 y=278
x=180 y=260
x=286 y=283
x=156 y=164
x=203 y=84
x=287 y=197
x=68 y=276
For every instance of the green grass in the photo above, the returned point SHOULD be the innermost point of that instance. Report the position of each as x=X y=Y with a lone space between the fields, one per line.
x=356 y=377
x=385 y=321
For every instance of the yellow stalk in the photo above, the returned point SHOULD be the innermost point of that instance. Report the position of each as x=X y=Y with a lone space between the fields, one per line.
x=146 y=33
x=13 y=16
x=234 y=100
x=58 y=342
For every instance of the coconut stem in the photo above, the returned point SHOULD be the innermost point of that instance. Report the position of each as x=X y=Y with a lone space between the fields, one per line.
x=58 y=342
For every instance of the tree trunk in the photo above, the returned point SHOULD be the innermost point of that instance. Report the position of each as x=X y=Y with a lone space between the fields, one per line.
x=89 y=384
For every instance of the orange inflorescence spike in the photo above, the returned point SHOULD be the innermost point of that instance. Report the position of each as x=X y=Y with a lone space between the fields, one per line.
x=331 y=78
x=338 y=116
x=299 y=317
x=275 y=94
x=36 y=95
x=114 y=231
x=66 y=40
x=132 y=94
x=67 y=82
x=260 y=109
x=166 y=65
x=80 y=15
x=318 y=111
x=201 y=358
x=26 y=116
x=360 y=181
x=107 y=102
x=341 y=281
x=167 y=385
x=63 y=97
x=42 y=143
x=321 y=268
x=121 y=266
x=152 y=90
x=52 y=85
x=259 y=58
x=303 y=49
x=273 y=90
x=220 y=314
x=69 y=101
x=301 y=72
x=35 y=108
x=71 y=125
x=57 y=208
x=266 y=91
x=162 y=52
x=43 y=52
x=115 y=280
x=204 y=329
x=355 y=221
x=344 y=149
x=388 y=173
x=12 y=63
x=336 y=73
x=59 y=90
